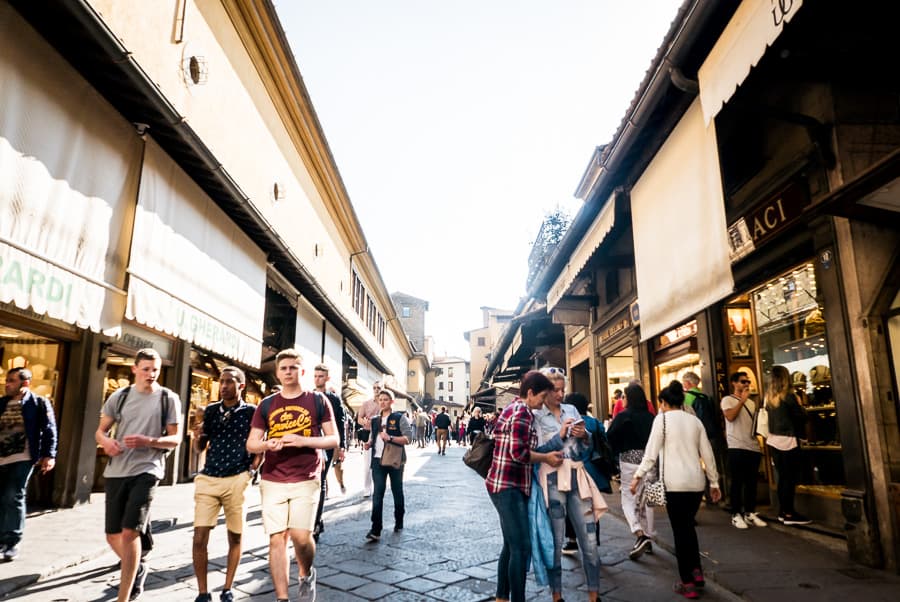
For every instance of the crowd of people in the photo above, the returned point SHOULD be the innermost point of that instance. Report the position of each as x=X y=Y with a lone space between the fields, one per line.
x=549 y=472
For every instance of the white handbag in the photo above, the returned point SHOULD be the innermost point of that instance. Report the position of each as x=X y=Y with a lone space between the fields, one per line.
x=761 y=421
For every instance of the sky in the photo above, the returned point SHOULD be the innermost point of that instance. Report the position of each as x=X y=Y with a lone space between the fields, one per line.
x=457 y=125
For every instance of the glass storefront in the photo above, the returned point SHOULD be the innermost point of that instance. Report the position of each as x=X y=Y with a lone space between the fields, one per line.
x=619 y=372
x=781 y=323
x=675 y=354
x=45 y=358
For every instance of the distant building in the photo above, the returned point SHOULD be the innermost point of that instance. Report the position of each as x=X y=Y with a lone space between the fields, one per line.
x=482 y=340
x=411 y=312
x=451 y=383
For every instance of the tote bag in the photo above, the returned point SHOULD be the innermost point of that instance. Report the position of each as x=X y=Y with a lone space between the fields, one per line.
x=480 y=455
x=392 y=456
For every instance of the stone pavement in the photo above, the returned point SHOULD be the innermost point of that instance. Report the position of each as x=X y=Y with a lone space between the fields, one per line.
x=447 y=551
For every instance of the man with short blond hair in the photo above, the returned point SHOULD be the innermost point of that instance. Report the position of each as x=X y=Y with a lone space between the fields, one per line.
x=290 y=428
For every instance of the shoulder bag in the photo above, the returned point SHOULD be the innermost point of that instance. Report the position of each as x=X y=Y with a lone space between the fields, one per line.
x=480 y=455
x=655 y=492
x=761 y=421
x=392 y=454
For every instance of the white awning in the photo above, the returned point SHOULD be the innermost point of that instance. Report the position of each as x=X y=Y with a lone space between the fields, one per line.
x=595 y=235
x=69 y=166
x=680 y=235
x=756 y=24
x=194 y=273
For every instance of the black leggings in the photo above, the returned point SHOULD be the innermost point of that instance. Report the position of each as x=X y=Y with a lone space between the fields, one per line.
x=682 y=506
x=788 y=465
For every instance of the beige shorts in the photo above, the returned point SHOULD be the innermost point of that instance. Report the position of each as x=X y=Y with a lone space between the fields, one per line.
x=289 y=505
x=213 y=493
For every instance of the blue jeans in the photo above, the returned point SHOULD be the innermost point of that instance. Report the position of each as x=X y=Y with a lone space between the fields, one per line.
x=512 y=506
x=581 y=516
x=380 y=476
x=13 y=479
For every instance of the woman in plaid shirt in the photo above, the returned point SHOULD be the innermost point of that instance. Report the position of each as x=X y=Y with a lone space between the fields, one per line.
x=509 y=481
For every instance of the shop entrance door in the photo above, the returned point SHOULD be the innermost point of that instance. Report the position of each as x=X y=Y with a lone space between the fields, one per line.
x=45 y=359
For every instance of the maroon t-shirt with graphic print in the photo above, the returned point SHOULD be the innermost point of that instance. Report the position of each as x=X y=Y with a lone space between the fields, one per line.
x=292 y=416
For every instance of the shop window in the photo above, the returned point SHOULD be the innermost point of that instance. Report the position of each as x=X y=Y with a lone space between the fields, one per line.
x=781 y=323
x=20 y=349
x=619 y=372
x=406 y=311
x=676 y=354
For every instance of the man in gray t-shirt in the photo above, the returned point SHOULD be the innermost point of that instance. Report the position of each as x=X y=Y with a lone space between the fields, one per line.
x=147 y=421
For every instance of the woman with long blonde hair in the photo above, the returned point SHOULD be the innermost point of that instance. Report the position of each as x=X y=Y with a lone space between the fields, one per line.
x=787 y=420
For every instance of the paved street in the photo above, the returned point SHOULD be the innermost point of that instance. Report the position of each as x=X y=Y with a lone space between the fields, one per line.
x=447 y=551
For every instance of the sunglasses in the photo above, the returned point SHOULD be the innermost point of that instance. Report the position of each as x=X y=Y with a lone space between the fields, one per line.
x=745 y=382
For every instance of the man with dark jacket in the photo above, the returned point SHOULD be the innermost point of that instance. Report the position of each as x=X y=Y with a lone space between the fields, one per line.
x=442 y=425
x=27 y=438
x=321 y=378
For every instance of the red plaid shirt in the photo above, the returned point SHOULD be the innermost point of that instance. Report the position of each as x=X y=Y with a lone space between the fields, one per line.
x=514 y=437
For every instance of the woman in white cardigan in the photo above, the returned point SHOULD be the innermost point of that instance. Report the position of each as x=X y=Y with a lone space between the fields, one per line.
x=680 y=440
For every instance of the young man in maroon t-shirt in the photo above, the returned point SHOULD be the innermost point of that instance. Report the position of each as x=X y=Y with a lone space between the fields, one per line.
x=290 y=429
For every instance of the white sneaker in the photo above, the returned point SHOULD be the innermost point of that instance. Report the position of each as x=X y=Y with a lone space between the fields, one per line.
x=753 y=518
x=307 y=591
x=738 y=521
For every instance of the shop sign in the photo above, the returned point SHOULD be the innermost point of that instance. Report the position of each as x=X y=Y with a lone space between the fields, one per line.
x=615 y=329
x=753 y=230
x=31 y=283
x=680 y=333
x=138 y=338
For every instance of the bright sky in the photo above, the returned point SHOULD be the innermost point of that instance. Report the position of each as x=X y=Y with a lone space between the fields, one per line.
x=457 y=125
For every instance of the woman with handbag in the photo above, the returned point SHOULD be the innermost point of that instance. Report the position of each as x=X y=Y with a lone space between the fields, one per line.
x=391 y=431
x=509 y=482
x=628 y=435
x=678 y=440
x=786 y=421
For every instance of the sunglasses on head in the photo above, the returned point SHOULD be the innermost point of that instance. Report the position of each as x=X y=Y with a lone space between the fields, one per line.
x=552 y=370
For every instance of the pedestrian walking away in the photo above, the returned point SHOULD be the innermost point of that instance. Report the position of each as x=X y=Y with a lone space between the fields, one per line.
x=421 y=428
x=147 y=419
x=442 y=424
x=27 y=439
x=367 y=411
x=628 y=435
x=290 y=428
x=321 y=378
x=509 y=481
x=678 y=442
x=222 y=483
x=388 y=429
x=744 y=454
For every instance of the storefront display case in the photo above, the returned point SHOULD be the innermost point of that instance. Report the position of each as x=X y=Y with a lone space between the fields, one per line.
x=675 y=353
x=781 y=323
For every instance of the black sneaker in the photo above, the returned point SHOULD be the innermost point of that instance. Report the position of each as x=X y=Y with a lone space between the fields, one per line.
x=795 y=519
x=640 y=546
x=372 y=536
x=137 y=590
x=203 y=598
x=225 y=596
x=398 y=527
x=570 y=548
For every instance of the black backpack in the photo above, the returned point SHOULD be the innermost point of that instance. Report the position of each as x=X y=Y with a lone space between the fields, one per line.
x=705 y=410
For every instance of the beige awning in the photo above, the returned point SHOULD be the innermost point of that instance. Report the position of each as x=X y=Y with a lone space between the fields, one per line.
x=680 y=235
x=595 y=235
x=756 y=24
x=69 y=166
x=193 y=273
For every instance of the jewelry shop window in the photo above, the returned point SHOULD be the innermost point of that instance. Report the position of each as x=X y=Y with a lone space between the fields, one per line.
x=790 y=328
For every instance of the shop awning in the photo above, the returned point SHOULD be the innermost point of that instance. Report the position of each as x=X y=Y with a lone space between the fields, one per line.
x=595 y=235
x=69 y=166
x=680 y=234
x=193 y=273
x=754 y=27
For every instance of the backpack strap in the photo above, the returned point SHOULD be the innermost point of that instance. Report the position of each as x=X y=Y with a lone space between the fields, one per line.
x=164 y=409
x=121 y=403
